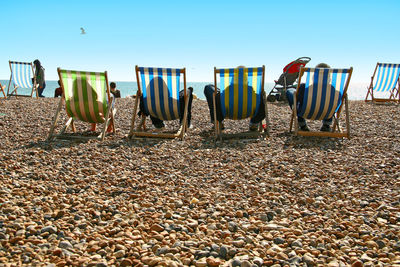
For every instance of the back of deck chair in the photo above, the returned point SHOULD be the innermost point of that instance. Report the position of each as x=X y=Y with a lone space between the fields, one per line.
x=160 y=89
x=87 y=98
x=325 y=90
x=241 y=92
x=386 y=83
x=21 y=77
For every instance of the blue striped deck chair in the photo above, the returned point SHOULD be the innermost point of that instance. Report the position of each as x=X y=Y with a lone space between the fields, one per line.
x=241 y=91
x=160 y=90
x=324 y=95
x=87 y=98
x=21 y=78
x=386 y=83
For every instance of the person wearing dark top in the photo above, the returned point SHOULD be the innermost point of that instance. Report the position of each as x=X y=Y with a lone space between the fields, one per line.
x=159 y=124
x=113 y=88
x=39 y=75
x=58 y=92
x=326 y=123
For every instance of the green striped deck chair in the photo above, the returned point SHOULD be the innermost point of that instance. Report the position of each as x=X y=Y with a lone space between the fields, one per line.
x=325 y=93
x=160 y=90
x=241 y=92
x=21 y=78
x=87 y=98
x=387 y=83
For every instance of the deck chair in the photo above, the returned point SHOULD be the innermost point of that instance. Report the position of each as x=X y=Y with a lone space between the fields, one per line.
x=21 y=78
x=2 y=87
x=241 y=91
x=386 y=82
x=321 y=101
x=160 y=89
x=87 y=98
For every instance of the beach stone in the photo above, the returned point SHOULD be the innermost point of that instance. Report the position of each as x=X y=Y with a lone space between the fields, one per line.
x=213 y=262
x=258 y=261
x=232 y=227
x=236 y=263
x=223 y=251
x=65 y=245
x=279 y=240
x=49 y=229
x=308 y=259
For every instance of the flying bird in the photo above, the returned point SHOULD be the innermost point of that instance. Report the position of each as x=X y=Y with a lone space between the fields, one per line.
x=83 y=31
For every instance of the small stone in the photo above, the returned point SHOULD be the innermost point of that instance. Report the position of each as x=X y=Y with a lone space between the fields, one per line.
x=157 y=228
x=49 y=229
x=258 y=261
x=308 y=260
x=223 y=252
x=245 y=263
x=213 y=262
x=236 y=263
x=65 y=245
x=119 y=254
x=232 y=227
x=126 y=262
x=279 y=240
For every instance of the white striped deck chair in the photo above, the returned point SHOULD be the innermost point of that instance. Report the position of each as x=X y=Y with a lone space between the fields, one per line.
x=387 y=83
x=87 y=98
x=324 y=95
x=160 y=90
x=241 y=93
x=21 y=78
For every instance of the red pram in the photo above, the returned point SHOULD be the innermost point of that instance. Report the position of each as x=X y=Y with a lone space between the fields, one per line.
x=287 y=79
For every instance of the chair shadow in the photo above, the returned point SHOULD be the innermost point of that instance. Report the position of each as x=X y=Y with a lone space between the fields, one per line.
x=324 y=143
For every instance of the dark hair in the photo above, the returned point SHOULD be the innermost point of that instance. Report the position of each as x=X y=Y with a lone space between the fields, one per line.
x=59 y=82
x=37 y=63
x=322 y=65
x=113 y=85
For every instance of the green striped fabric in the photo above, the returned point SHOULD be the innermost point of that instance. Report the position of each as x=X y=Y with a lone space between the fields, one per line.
x=85 y=95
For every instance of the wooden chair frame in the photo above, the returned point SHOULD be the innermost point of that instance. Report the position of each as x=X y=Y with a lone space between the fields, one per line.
x=109 y=117
x=394 y=92
x=2 y=87
x=182 y=130
x=336 y=131
x=34 y=85
x=256 y=134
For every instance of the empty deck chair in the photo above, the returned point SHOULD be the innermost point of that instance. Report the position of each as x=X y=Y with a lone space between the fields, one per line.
x=21 y=78
x=241 y=92
x=160 y=89
x=386 y=83
x=321 y=101
x=87 y=98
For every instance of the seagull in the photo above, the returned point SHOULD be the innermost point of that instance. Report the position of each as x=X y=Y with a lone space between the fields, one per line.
x=83 y=31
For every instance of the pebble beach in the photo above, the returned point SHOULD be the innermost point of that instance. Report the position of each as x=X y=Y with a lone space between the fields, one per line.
x=282 y=201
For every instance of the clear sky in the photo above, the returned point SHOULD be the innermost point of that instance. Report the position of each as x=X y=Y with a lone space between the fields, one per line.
x=199 y=35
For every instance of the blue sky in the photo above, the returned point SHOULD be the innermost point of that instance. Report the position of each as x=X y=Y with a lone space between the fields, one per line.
x=199 y=35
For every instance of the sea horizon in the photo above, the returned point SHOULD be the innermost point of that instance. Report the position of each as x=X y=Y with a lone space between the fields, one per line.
x=356 y=91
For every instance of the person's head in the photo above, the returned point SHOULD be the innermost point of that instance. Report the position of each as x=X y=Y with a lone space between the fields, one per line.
x=37 y=63
x=113 y=85
x=323 y=65
x=59 y=82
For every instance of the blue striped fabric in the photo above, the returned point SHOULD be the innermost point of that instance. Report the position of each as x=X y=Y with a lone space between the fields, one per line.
x=240 y=92
x=324 y=89
x=160 y=87
x=22 y=74
x=388 y=75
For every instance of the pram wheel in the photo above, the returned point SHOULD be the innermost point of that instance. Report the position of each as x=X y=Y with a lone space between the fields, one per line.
x=271 y=98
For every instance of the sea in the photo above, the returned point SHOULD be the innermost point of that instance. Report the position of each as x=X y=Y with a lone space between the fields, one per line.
x=356 y=91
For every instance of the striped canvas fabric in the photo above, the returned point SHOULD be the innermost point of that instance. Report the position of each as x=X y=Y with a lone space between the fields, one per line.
x=85 y=95
x=240 y=91
x=160 y=87
x=323 y=92
x=387 y=77
x=22 y=74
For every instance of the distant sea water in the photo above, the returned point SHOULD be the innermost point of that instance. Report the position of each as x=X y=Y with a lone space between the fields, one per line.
x=356 y=91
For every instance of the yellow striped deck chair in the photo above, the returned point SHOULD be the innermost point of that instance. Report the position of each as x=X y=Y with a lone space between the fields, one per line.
x=160 y=90
x=325 y=91
x=87 y=98
x=387 y=82
x=241 y=92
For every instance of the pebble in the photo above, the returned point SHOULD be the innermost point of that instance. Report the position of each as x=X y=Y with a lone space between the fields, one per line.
x=197 y=202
